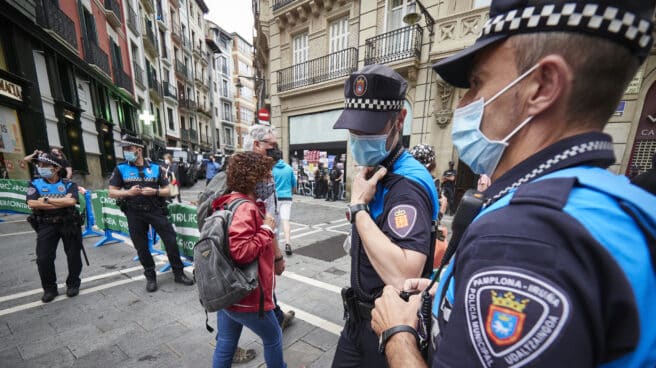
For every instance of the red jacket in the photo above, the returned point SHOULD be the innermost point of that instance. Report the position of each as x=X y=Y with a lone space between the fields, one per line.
x=249 y=241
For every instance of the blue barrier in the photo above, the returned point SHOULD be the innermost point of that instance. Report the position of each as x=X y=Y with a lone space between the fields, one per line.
x=91 y=220
x=108 y=238
x=153 y=238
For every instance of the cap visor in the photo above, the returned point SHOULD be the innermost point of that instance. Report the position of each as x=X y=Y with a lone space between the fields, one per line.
x=456 y=68
x=369 y=122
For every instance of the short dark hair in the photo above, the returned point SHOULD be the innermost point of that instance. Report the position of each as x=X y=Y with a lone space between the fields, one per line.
x=602 y=69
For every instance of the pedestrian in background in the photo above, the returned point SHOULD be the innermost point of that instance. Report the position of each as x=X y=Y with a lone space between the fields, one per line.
x=283 y=176
x=52 y=200
x=251 y=236
x=449 y=188
x=211 y=169
x=141 y=188
x=336 y=177
x=171 y=172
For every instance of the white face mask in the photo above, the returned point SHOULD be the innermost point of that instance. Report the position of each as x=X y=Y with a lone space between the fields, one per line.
x=167 y=161
x=481 y=154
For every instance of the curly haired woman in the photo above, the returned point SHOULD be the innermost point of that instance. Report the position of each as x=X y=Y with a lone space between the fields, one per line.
x=251 y=238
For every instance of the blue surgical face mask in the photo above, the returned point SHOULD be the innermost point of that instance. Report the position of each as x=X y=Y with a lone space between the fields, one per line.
x=369 y=150
x=481 y=154
x=45 y=172
x=130 y=156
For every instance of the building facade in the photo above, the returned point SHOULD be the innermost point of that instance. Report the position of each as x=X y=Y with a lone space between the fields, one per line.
x=67 y=83
x=245 y=101
x=223 y=88
x=305 y=49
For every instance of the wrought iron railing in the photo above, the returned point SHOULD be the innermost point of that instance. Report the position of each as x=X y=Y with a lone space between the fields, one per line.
x=94 y=55
x=138 y=75
x=122 y=79
x=133 y=20
x=170 y=90
x=115 y=7
x=332 y=66
x=277 y=4
x=392 y=46
x=153 y=84
x=193 y=135
x=187 y=103
x=49 y=16
x=184 y=134
x=180 y=67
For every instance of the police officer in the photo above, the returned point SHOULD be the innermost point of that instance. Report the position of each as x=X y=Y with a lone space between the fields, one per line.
x=557 y=269
x=54 y=216
x=393 y=210
x=142 y=188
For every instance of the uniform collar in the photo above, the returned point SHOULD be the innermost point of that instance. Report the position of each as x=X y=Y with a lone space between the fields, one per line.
x=590 y=149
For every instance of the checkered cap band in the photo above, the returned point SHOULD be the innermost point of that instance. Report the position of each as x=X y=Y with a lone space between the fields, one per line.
x=372 y=104
x=128 y=140
x=585 y=17
x=48 y=160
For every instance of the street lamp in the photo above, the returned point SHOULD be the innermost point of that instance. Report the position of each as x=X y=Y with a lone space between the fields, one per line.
x=411 y=19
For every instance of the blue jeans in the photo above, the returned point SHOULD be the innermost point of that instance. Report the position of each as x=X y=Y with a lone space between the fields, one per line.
x=229 y=325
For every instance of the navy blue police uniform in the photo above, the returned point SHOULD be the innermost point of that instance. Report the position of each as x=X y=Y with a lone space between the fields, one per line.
x=53 y=225
x=142 y=211
x=404 y=208
x=555 y=268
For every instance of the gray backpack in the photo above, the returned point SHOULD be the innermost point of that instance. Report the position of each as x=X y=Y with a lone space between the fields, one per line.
x=221 y=283
x=217 y=187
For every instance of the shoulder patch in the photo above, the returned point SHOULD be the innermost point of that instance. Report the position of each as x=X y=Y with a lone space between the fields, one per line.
x=513 y=316
x=401 y=219
x=61 y=188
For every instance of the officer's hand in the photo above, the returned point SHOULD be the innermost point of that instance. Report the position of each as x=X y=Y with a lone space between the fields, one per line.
x=418 y=285
x=269 y=220
x=390 y=310
x=279 y=267
x=363 y=190
x=148 y=191
x=135 y=190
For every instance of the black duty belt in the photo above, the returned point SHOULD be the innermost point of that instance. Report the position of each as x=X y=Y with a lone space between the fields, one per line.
x=140 y=207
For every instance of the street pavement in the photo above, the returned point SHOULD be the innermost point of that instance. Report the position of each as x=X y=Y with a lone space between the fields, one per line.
x=114 y=322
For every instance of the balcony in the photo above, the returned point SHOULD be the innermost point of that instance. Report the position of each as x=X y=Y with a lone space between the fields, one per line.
x=277 y=4
x=185 y=43
x=122 y=80
x=188 y=104
x=133 y=21
x=204 y=109
x=95 y=56
x=165 y=56
x=184 y=134
x=155 y=88
x=402 y=43
x=149 y=39
x=148 y=6
x=113 y=13
x=176 y=34
x=193 y=135
x=51 y=18
x=138 y=75
x=181 y=69
x=332 y=66
x=170 y=91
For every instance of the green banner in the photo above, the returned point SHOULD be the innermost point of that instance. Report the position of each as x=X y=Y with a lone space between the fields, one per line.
x=183 y=218
x=108 y=215
x=12 y=196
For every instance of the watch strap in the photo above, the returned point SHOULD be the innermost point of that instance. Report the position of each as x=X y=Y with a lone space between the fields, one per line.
x=385 y=336
x=354 y=209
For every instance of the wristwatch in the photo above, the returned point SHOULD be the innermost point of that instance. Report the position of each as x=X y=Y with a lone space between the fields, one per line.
x=45 y=199
x=352 y=210
x=385 y=336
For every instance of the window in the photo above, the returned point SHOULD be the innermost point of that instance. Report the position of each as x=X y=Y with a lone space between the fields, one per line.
x=169 y=112
x=228 y=136
x=224 y=88
x=244 y=69
x=481 y=3
x=165 y=75
x=338 y=42
x=227 y=112
x=300 y=55
x=224 y=65
x=117 y=62
x=246 y=92
x=398 y=10
x=246 y=115
x=243 y=46
x=90 y=27
x=182 y=123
